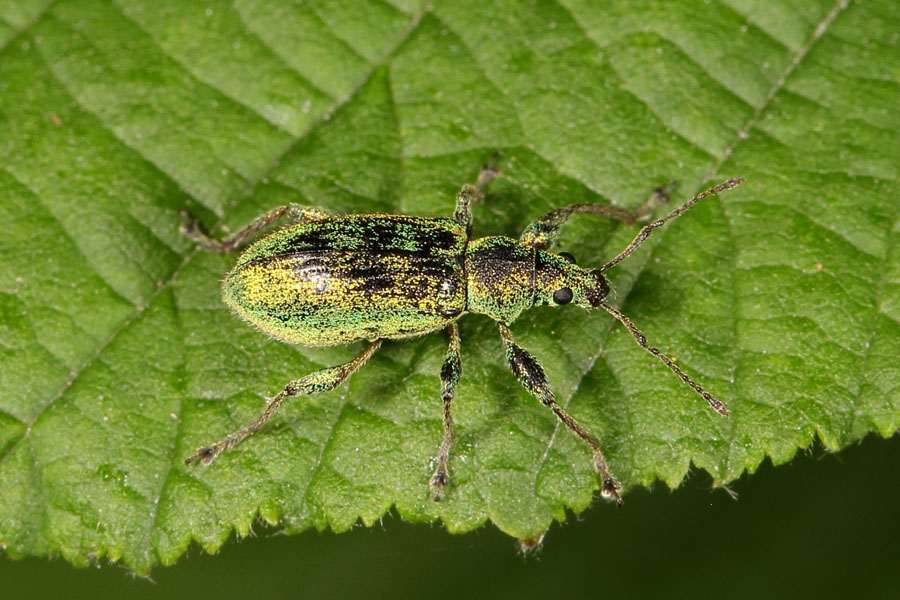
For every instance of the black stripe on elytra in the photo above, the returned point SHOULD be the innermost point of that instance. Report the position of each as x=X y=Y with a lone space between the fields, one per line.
x=387 y=234
x=374 y=234
x=377 y=283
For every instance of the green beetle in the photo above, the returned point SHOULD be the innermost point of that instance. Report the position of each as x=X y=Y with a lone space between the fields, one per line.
x=332 y=279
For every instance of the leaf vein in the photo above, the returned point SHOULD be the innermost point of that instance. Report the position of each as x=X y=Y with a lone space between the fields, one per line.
x=194 y=75
x=632 y=93
x=249 y=28
x=744 y=132
x=20 y=31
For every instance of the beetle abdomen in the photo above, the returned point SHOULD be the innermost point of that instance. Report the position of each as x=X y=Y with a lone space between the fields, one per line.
x=353 y=277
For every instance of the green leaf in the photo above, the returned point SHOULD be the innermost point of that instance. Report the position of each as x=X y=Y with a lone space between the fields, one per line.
x=119 y=359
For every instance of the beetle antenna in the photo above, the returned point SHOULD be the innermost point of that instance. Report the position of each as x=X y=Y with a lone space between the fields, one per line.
x=648 y=229
x=642 y=341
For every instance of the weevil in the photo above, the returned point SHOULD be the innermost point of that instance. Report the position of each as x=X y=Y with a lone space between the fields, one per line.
x=329 y=279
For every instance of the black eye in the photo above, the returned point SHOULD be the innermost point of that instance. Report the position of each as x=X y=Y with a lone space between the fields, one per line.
x=567 y=256
x=562 y=295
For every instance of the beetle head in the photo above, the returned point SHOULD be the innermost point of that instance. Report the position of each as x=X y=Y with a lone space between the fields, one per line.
x=559 y=281
x=506 y=277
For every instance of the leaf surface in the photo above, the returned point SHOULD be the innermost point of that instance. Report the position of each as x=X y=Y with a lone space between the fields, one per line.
x=118 y=358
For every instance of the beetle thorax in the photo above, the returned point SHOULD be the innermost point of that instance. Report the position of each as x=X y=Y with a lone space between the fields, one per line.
x=500 y=277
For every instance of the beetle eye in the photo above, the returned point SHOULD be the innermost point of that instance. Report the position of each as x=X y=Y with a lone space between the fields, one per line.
x=568 y=257
x=562 y=295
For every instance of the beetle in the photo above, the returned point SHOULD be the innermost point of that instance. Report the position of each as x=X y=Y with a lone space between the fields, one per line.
x=330 y=279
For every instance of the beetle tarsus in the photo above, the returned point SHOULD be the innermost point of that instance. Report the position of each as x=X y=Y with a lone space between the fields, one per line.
x=488 y=172
x=191 y=229
x=190 y=226
x=659 y=197
x=439 y=481
x=611 y=489
x=205 y=455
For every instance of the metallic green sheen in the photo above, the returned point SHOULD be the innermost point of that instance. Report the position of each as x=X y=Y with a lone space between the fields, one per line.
x=346 y=278
x=352 y=277
x=329 y=280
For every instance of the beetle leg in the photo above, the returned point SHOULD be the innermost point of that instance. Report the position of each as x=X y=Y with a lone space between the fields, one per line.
x=323 y=380
x=449 y=378
x=530 y=374
x=297 y=213
x=544 y=232
x=474 y=193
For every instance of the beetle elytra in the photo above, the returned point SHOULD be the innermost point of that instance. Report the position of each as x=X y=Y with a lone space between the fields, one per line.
x=331 y=279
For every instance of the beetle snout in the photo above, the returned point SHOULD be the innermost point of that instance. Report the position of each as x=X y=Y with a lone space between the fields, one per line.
x=600 y=289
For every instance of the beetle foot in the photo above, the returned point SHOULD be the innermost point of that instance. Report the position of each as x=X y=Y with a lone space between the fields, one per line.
x=190 y=226
x=661 y=193
x=610 y=490
x=439 y=481
x=488 y=172
x=659 y=197
x=205 y=455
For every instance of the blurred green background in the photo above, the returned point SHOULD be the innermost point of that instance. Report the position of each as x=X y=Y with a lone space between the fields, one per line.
x=823 y=526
